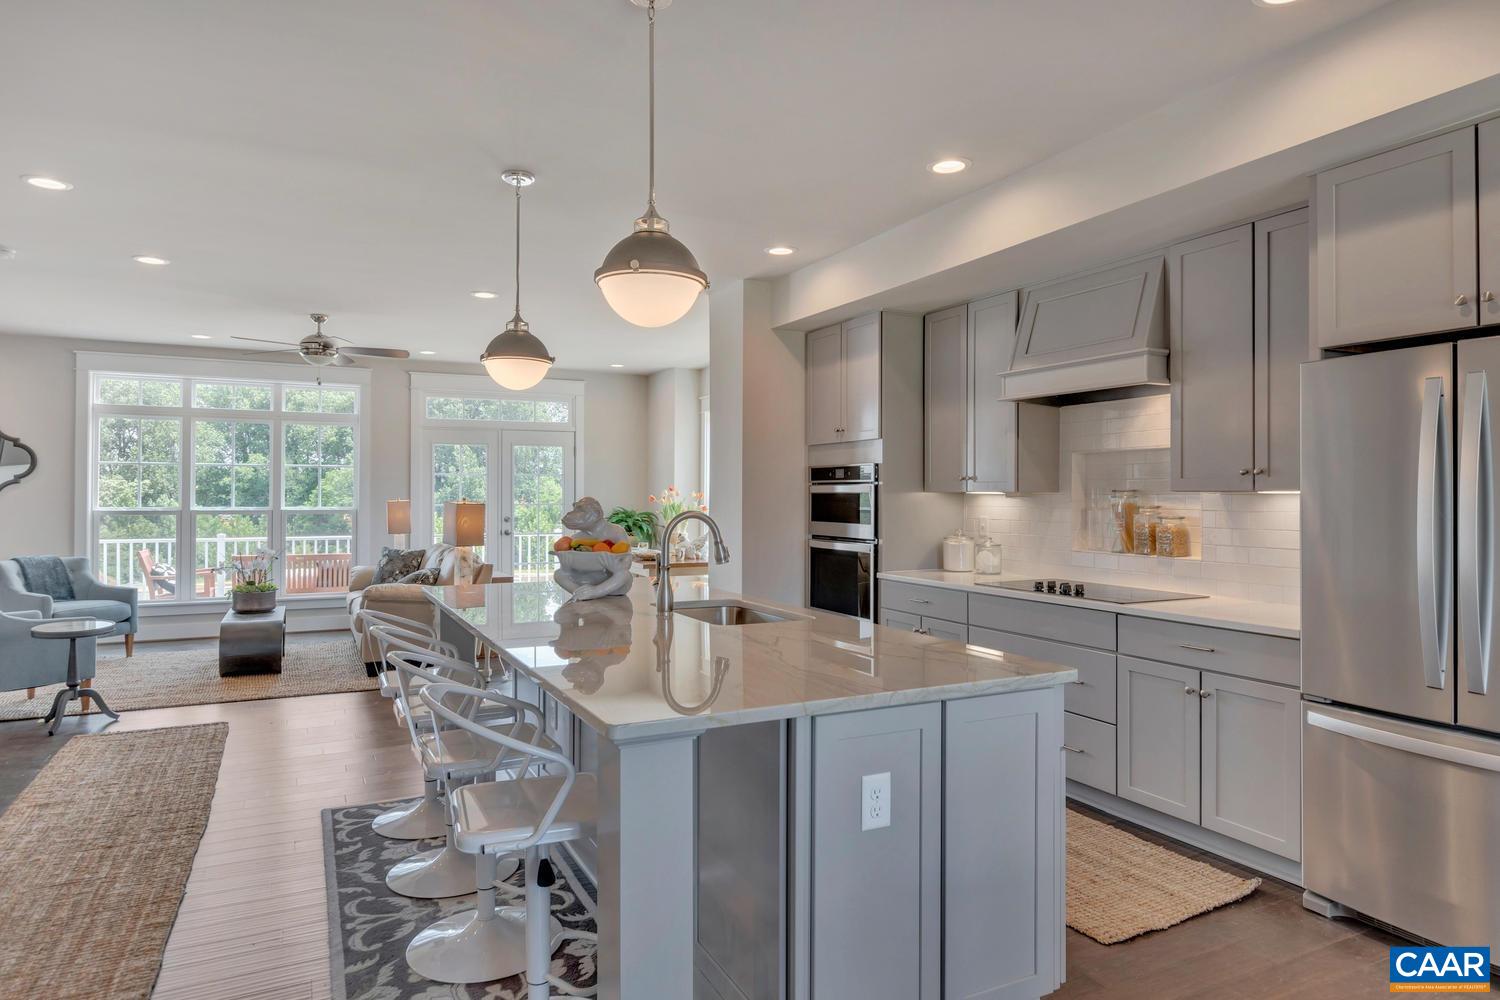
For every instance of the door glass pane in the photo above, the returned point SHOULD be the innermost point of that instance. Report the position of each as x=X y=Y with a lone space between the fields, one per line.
x=459 y=472
x=140 y=551
x=537 y=505
x=222 y=540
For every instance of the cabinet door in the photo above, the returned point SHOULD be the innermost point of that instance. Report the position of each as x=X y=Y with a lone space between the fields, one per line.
x=877 y=893
x=1252 y=763
x=1158 y=732
x=993 y=421
x=1489 y=222
x=1280 y=347
x=1002 y=842
x=861 y=379
x=945 y=371
x=1211 y=297
x=940 y=629
x=1396 y=235
x=900 y=619
x=825 y=385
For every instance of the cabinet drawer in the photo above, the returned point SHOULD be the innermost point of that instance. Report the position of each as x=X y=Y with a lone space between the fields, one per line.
x=929 y=602
x=1093 y=694
x=1089 y=749
x=1081 y=626
x=1226 y=651
x=900 y=619
x=939 y=629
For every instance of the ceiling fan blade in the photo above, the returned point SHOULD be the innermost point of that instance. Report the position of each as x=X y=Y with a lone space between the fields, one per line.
x=341 y=361
x=262 y=340
x=375 y=352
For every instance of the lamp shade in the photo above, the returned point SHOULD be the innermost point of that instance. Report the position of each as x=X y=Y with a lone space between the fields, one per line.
x=516 y=359
x=463 y=522
x=649 y=278
x=398 y=517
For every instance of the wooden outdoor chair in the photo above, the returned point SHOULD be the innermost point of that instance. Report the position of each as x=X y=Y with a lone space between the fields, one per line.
x=161 y=581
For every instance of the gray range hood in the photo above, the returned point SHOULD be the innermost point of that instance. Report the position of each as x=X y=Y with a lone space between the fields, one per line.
x=1101 y=330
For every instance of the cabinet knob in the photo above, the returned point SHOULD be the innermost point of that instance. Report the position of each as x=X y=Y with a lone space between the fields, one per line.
x=1205 y=694
x=1258 y=471
x=1487 y=297
x=1462 y=300
x=1244 y=472
x=1189 y=690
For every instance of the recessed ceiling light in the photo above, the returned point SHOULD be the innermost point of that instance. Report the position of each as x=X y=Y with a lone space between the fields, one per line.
x=780 y=251
x=617 y=366
x=427 y=352
x=951 y=165
x=46 y=183
x=201 y=336
x=1272 y=3
x=147 y=258
x=483 y=295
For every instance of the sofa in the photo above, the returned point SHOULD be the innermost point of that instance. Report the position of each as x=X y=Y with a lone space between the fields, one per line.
x=93 y=599
x=406 y=600
x=32 y=663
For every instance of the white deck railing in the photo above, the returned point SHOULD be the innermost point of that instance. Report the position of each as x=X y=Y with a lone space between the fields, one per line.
x=119 y=562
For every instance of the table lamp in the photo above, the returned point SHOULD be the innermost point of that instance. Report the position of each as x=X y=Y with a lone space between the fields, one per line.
x=463 y=523
x=398 y=521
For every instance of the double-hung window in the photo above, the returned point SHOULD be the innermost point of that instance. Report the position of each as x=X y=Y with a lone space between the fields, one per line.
x=189 y=476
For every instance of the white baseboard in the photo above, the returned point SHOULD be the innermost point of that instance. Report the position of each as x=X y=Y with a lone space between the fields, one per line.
x=161 y=629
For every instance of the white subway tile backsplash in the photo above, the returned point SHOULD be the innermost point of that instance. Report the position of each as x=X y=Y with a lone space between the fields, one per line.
x=1249 y=543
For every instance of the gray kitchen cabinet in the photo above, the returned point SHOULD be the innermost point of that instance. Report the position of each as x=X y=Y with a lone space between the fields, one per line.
x=825 y=385
x=1252 y=763
x=877 y=894
x=936 y=627
x=977 y=442
x=900 y=619
x=1397 y=243
x=1488 y=143
x=1092 y=694
x=1002 y=846
x=843 y=382
x=1157 y=718
x=1211 y=315
x=1089 y=752
x=1281 y=283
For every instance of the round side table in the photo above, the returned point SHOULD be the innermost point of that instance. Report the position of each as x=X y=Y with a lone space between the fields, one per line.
x=73 y=629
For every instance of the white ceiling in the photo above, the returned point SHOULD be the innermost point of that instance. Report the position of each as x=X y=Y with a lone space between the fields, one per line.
x=343 y=156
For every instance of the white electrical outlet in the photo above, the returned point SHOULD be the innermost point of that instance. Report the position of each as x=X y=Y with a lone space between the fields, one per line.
x=875 y=801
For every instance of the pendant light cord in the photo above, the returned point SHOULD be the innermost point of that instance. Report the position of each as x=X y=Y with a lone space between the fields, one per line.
x=518 y=251
x=651 y=98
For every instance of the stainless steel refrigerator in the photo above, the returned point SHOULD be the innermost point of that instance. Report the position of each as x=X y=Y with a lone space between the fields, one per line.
x=1401 y=714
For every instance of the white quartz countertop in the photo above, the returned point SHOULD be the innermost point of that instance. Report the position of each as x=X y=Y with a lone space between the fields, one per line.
x=1283 y=620
x=631 y=676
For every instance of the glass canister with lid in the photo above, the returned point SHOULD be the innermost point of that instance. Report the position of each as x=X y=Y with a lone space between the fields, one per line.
x=1172 y=536
x=1147 y=520
x=958 y=553
x=987 y=556
x=1124 y=505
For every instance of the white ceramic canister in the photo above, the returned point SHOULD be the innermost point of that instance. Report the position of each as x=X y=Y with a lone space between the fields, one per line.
x=958 y=553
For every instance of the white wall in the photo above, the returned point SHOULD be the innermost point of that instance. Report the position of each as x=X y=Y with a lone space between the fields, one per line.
x=673 y=428
x=37 y=405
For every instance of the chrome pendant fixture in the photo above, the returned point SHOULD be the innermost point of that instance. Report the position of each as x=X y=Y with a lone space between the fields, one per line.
x=650 y=278
x=516 y=359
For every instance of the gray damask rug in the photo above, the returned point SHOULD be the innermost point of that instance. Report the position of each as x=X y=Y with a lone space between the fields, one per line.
x=369 y=926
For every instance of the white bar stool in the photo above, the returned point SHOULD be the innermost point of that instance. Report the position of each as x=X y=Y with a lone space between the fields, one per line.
x=451 y=757
x=493 y=819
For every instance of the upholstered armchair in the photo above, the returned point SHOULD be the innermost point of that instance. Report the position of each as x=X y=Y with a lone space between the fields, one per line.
x=32 y=663
x=93 y=599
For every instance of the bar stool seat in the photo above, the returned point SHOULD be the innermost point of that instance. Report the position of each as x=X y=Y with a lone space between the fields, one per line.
x=494 y=816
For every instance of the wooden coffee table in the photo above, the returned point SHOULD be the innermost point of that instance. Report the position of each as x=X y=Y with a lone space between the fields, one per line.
x=252 y=643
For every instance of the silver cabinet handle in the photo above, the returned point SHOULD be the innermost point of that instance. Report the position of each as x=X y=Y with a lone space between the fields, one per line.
x=1197 y=649
x=920 y=600
x=1244 y=472
x=1205 y=694
x=1434 y=554
x=1080 y=683
x=920 y=631
x=1258 y=471
x=1189 y=690
x=1072 y=749
x=1476 y=531
x=1462 y=300
x=1487 y=297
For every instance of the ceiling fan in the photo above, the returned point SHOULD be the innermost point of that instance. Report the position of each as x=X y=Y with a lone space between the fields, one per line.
x=318 y=348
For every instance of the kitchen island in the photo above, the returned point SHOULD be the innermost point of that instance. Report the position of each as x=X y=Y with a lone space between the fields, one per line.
x=804 y=805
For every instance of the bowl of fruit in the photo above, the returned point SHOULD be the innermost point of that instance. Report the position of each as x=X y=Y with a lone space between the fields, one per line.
x=592 y=560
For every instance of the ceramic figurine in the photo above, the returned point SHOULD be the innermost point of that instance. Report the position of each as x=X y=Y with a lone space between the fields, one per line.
x=592 y=574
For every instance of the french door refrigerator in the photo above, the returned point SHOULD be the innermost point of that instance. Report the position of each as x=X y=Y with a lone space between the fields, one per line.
x=1401 y=714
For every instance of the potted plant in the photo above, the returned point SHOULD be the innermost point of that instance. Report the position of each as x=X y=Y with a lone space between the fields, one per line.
x=641 y=524
x=251 y=589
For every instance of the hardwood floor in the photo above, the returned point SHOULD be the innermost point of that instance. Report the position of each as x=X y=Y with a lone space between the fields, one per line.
x=253 y=923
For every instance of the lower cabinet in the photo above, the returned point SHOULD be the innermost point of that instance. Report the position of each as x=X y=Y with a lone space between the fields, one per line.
x=1157 y=715
x=1089 y=751
x=924 y=625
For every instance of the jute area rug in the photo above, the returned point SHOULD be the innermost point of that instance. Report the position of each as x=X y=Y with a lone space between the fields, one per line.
x=369 y=926
x=191 y=677
x=98 y=849
x=1120 y=886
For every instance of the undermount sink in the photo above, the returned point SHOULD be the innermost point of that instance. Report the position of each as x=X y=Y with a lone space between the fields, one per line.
x=728 y=613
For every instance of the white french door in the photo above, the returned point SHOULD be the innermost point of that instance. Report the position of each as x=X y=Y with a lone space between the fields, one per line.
x=525 y=479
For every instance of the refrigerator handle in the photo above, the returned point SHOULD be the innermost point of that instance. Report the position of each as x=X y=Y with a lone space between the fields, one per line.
x=1407 y=744
x=1476 y=526
x=1434 y=551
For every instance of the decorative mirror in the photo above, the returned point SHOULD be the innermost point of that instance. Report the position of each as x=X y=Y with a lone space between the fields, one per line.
x=17 y=460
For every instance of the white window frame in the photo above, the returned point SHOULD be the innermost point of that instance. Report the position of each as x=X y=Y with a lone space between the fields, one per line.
x=88 y=364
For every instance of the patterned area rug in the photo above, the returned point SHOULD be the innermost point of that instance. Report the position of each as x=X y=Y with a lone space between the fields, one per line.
x=191 y=677
x=369 y=926
x=98 y=849
x=1120 y=886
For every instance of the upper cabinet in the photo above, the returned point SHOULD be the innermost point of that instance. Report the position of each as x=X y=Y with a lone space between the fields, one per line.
x=843 y=382
x=1397 y=243
x=1238 y=316
x=976 y=441
x=1094 y=331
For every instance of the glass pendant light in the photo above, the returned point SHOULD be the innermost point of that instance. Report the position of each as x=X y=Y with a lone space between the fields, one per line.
x=516 y=358
x=649 y=278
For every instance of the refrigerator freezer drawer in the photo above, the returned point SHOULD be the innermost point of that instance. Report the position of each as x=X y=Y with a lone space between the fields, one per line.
x=1401 y=822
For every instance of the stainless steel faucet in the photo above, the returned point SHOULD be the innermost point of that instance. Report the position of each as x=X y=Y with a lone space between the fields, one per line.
x=664 y=558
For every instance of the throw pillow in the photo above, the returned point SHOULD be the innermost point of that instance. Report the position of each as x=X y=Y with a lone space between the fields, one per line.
x=396 y=563
x=426 y=577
